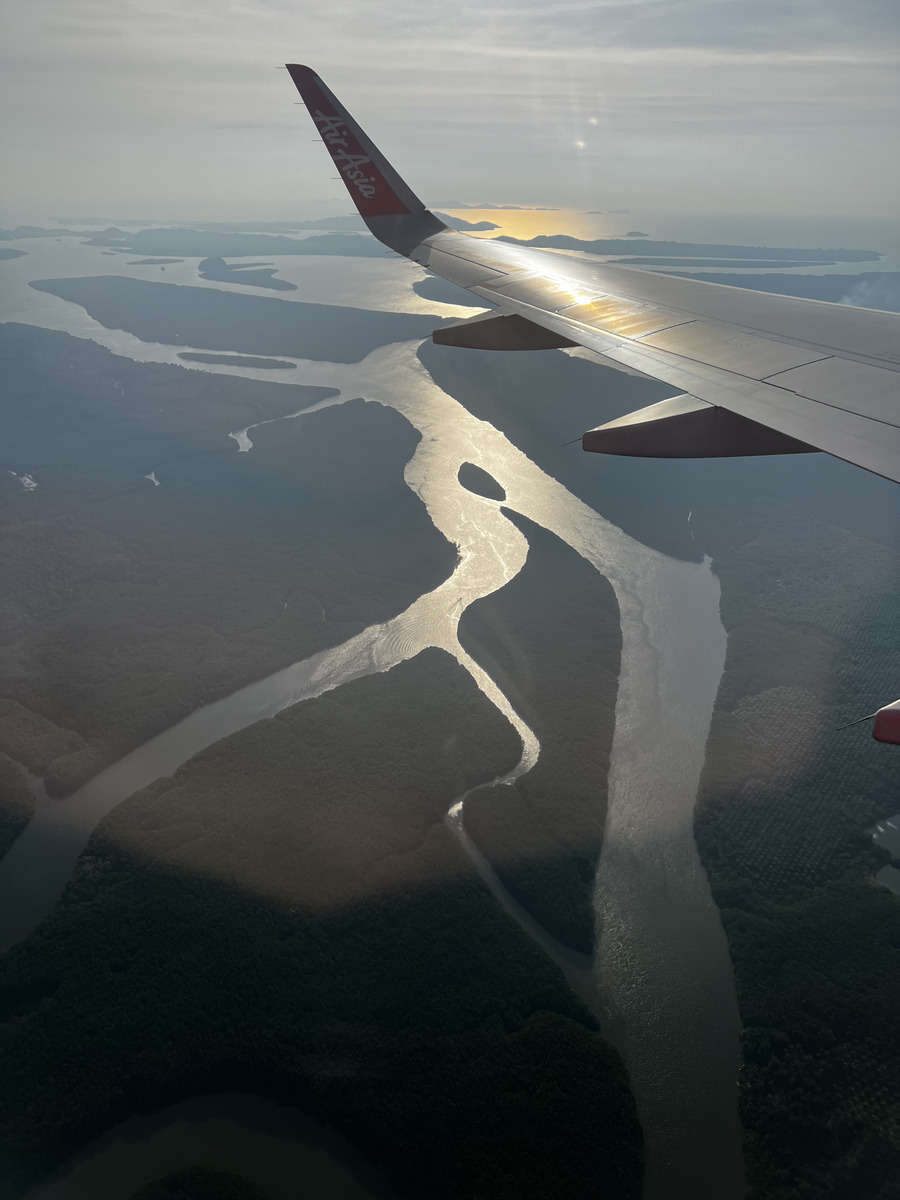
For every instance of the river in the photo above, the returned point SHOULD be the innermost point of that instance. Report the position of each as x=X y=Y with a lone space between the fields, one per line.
x=662 y=975
x=272 y=1146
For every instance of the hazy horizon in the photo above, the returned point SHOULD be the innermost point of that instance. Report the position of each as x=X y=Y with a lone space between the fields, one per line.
x=778 y=110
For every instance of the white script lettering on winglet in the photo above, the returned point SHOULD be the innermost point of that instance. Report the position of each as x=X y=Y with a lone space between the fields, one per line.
x=335 y=136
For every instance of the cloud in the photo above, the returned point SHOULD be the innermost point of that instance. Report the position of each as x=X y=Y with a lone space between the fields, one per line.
x=881 y=293
x=480 y=98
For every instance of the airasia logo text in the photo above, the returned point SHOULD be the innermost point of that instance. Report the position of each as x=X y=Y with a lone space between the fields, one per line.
x=335 y=136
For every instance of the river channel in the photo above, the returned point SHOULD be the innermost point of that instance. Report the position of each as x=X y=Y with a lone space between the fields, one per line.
x=661 y=972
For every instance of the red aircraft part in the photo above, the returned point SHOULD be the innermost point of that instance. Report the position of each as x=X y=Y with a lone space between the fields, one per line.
x=887 y=724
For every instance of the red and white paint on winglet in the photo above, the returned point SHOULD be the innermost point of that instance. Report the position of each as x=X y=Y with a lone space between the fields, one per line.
x=887 y=724
x=371 y=192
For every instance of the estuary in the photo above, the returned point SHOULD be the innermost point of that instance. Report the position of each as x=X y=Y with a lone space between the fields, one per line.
x=661 y=974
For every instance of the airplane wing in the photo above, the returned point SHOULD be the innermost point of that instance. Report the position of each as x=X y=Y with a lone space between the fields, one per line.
x=754 y=373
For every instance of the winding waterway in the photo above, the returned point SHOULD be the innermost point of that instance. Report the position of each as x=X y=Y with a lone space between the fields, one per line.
x=662 y=973
x=273 y=1147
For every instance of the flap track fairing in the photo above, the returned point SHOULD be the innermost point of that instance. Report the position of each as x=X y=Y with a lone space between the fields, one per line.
x=496 y=331
x=685 y=427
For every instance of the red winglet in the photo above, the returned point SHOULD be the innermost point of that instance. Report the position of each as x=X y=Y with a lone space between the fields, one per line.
x=369 y=178
x=887 y=724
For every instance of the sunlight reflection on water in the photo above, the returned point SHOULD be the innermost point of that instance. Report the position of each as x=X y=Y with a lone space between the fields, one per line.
x=663 y=973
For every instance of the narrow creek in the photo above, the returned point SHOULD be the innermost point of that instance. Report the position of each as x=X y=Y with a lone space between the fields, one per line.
x=661 y=973
x=269 y=1145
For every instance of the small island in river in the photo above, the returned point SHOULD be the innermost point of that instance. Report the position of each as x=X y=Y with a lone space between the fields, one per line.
x=252 y=274
x=238 y=360
x=477 y=480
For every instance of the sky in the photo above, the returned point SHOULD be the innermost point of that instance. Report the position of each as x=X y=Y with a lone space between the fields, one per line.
x=165 y=110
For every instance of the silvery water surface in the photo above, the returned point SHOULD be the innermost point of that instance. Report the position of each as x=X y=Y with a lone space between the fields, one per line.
x=661 y=977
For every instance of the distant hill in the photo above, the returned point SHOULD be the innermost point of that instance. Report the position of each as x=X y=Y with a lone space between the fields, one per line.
x=562 y=241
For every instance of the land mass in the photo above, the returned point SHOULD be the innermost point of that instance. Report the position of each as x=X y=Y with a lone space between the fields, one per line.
x=479 y=481
x=37 y=231
x=238 y=360
x=283 y=918
x=561 y=241
x=551 y=640
x=128 y=606
x=199 y=243
x=16 y=801
x=349 y=221
x=214 y=319
x=199 y=1183
x=254 y=274
x=782 y=815
x=355 y=221
x=869 y=289
x=747 y=264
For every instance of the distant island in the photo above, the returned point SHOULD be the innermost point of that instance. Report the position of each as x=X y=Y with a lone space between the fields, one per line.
x=743 y=264
x=346 y=221
x=351 y=238
x=37 y=231
x=217 y=319
x=194 y=243
x=355 y=221
x=869 y=289
x=238 y=360
x=563 y=241
x=252 y=274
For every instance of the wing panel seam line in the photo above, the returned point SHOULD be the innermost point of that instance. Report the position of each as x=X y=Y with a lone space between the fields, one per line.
x=623 y=342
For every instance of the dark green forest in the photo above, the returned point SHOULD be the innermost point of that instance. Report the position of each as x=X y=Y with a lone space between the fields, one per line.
x=199 y=1183
x=551 y=640
x=285 y=919
x=16 y=801
x=784 y=806
x=127 y=606
x=290 y=918
x=805 y=548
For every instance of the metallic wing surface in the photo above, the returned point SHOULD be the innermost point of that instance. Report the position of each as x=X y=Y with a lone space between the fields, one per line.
x=754 y=373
